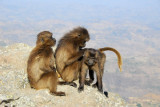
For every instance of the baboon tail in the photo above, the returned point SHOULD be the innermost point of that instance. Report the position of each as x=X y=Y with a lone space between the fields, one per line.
x=116 y=52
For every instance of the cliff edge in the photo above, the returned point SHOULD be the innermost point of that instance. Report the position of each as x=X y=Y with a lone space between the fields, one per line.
x=16 y=92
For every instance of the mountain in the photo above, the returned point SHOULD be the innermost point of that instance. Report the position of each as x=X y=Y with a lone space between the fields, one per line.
x=140 y=75
x=148 y=100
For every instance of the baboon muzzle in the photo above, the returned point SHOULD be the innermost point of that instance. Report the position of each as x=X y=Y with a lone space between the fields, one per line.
x=90 y=62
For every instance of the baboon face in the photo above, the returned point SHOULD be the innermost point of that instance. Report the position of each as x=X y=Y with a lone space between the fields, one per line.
x=91 y=58
x=45 y=37
x=81 y=36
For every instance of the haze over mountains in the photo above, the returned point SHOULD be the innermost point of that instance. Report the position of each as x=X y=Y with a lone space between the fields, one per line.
x=120 y=23
x=132 y=27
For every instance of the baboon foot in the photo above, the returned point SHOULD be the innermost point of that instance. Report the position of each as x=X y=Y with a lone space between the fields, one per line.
x=80 y=89
x=58 y=93
x=73 y=84
x=88 y=82
x=106 y=93
x=95 y=85
x=100 y=90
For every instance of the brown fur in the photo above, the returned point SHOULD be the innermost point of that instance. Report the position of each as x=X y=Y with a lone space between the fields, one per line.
x=40 y=67
x=69 y=53
x=94 y=60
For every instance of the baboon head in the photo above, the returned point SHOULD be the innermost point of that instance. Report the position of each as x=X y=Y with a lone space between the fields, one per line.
x=46 y=38
x=90 y=57
x=80 y=36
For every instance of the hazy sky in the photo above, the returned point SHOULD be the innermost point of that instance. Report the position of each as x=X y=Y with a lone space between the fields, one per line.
x=118 y=23
x=130 y=26
x=78 y=10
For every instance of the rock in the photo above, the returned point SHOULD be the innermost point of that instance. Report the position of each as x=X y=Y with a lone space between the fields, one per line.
x=14 y=85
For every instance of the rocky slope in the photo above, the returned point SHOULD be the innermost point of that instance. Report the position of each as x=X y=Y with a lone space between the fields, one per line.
x=14 y=85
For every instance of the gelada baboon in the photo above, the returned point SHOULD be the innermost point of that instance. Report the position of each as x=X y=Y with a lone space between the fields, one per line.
x=40 y=67
x=69 y=53
x=94 y=60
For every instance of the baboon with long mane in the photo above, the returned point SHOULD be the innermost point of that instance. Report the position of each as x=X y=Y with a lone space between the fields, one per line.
x=94 y=60
x=40 y=67
x=69 y=53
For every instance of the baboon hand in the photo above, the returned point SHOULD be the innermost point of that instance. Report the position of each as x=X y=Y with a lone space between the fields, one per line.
x=87 y=82
x=53 y=68
x=82 y=51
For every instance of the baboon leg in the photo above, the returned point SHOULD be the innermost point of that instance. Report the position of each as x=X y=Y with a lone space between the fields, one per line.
x=99 y=78
x=91 y=78
x=96 y=84
x=102 y=63
x=49 y=80
x=71 y=73
x=53 y=88
x=82 y=77
x=101 y=73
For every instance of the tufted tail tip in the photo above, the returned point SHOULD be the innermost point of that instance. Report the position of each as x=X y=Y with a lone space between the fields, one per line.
x=120 y=68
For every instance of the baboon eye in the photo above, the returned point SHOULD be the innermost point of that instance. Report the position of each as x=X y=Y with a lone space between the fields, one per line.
x=42 y=40
x=79 y=35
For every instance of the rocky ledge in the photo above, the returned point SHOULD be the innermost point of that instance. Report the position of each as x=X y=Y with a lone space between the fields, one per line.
x=16 y=92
